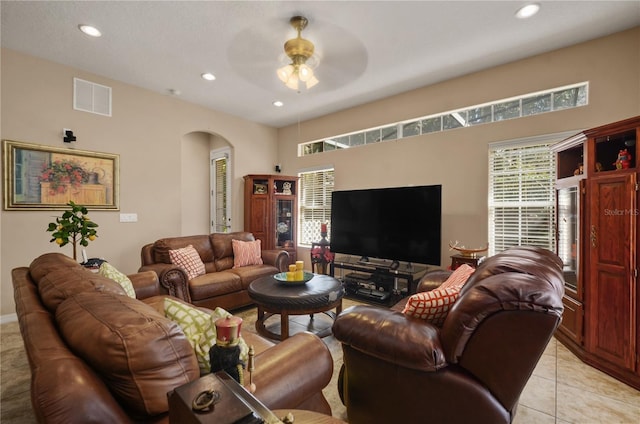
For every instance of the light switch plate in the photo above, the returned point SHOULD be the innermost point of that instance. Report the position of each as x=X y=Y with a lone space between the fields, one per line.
x=128 y=217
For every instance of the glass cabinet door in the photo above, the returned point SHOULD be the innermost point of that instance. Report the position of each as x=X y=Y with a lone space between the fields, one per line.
x=284 y=223
x=568 y=234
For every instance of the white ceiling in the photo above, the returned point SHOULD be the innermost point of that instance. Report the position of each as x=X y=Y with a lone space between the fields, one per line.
x=367 y=50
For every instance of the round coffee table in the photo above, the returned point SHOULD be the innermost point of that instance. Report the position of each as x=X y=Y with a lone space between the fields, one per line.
x=319 y=295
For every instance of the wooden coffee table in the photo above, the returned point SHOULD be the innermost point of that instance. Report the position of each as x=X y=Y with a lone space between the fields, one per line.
x=321 y=294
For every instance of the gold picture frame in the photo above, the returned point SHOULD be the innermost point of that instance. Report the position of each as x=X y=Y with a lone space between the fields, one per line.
x=38 y=177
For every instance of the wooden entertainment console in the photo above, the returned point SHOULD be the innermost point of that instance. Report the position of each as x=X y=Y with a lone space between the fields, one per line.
x=380 y=281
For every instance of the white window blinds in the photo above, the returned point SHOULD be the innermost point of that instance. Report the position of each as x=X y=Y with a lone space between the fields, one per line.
x=521 y=196
x=314 y=203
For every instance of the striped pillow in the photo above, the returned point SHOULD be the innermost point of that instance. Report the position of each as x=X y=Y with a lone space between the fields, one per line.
x=189 y=259
x=246 y=253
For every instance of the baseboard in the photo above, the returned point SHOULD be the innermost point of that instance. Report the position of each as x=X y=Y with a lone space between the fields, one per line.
x=8 y=318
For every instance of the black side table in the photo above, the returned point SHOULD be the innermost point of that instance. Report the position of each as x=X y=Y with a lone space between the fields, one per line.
x=457 y=260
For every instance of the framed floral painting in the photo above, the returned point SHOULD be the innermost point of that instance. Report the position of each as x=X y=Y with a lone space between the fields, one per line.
x=45 y=177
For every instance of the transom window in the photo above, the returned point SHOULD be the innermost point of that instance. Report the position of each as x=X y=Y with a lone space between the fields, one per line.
x=555 y=99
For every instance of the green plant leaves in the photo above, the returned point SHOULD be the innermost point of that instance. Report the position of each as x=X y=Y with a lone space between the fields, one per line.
x=73 y=226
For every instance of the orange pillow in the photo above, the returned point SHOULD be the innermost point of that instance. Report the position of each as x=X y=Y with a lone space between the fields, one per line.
x=458 y=277
x=189 y=259
x=434 y=305
x=246 y=253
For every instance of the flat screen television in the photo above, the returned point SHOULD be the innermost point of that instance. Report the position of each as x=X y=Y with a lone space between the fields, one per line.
x=398 y=224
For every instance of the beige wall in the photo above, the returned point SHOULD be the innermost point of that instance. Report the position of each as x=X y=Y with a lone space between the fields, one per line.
x=154 y=136
x=163 y=145
x=458 y=159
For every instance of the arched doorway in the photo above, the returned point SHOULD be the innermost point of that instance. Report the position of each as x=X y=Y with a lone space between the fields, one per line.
x=204 y=206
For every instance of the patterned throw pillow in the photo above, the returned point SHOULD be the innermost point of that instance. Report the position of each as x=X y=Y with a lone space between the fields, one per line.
x=109 y=271
x=188 y=258
x=458 y=277
x=434 y=305
x=200 y=329
x=246 y=253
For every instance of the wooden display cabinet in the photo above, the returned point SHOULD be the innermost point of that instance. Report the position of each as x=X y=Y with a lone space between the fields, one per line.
x=570 y=189
x=598 y=213
x=271 y=210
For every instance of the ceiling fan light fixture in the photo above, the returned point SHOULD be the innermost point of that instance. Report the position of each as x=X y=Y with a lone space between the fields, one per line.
x=304 y=73
x=285 y=73
x=312 y=81
x=299 y=51
x=292 y=83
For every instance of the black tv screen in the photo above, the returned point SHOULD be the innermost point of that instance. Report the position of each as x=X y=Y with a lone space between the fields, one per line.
x=399 y=224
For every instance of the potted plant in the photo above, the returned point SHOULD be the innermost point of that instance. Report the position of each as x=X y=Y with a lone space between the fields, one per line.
x=72 y=227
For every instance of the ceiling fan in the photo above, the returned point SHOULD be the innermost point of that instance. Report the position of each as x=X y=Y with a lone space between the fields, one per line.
x=299 y=50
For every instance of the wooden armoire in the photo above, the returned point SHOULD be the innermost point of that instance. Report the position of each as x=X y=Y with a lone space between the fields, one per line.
x=597 y=239
x=271 y=211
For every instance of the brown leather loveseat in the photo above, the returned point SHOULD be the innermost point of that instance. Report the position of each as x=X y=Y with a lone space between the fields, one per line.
x=473 y=369
x=221 y=285
x=99 y=356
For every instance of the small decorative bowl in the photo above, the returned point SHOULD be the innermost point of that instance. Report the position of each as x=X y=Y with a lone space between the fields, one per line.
x=282 y=278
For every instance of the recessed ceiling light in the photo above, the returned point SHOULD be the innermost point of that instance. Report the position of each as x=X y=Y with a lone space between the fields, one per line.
x=90 y=30
x=528 y=11
x=278 y=103
x=208 y=76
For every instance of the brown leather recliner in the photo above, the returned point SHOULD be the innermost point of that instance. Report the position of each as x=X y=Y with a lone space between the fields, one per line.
x=473 y=369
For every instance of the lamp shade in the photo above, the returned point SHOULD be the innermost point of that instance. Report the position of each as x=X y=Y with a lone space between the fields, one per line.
x=285 y=73
x=292 y=82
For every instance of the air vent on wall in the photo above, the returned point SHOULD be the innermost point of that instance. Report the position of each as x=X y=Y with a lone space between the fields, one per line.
x=91 y=97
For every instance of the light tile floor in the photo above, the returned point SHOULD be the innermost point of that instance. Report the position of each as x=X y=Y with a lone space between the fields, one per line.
x=563 y=389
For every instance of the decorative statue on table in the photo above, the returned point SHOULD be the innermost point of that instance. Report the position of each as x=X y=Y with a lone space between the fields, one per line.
x=225 y=354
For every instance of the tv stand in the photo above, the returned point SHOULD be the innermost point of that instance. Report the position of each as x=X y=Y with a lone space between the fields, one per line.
x=381 y=281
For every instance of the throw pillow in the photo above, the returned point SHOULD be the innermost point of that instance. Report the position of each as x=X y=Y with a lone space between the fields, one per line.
x=246 y=253
x=458 y=277
x=189 y=259
x=109 y=271
x=433 y=305
x=200 y=329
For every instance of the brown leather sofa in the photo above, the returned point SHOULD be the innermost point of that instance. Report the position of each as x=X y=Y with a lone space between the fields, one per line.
x=474 y=368
x=222 y=285
x=82 y=333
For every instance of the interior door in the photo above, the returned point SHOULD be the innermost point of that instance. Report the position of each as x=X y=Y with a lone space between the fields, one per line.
x=610 y=294
x=220 y=190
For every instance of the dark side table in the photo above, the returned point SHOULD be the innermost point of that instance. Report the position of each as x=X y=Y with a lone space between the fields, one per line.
x=457 y=260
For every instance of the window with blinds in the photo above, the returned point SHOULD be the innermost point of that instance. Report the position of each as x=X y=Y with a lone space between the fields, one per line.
x=521 y=196
x=314 y=203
